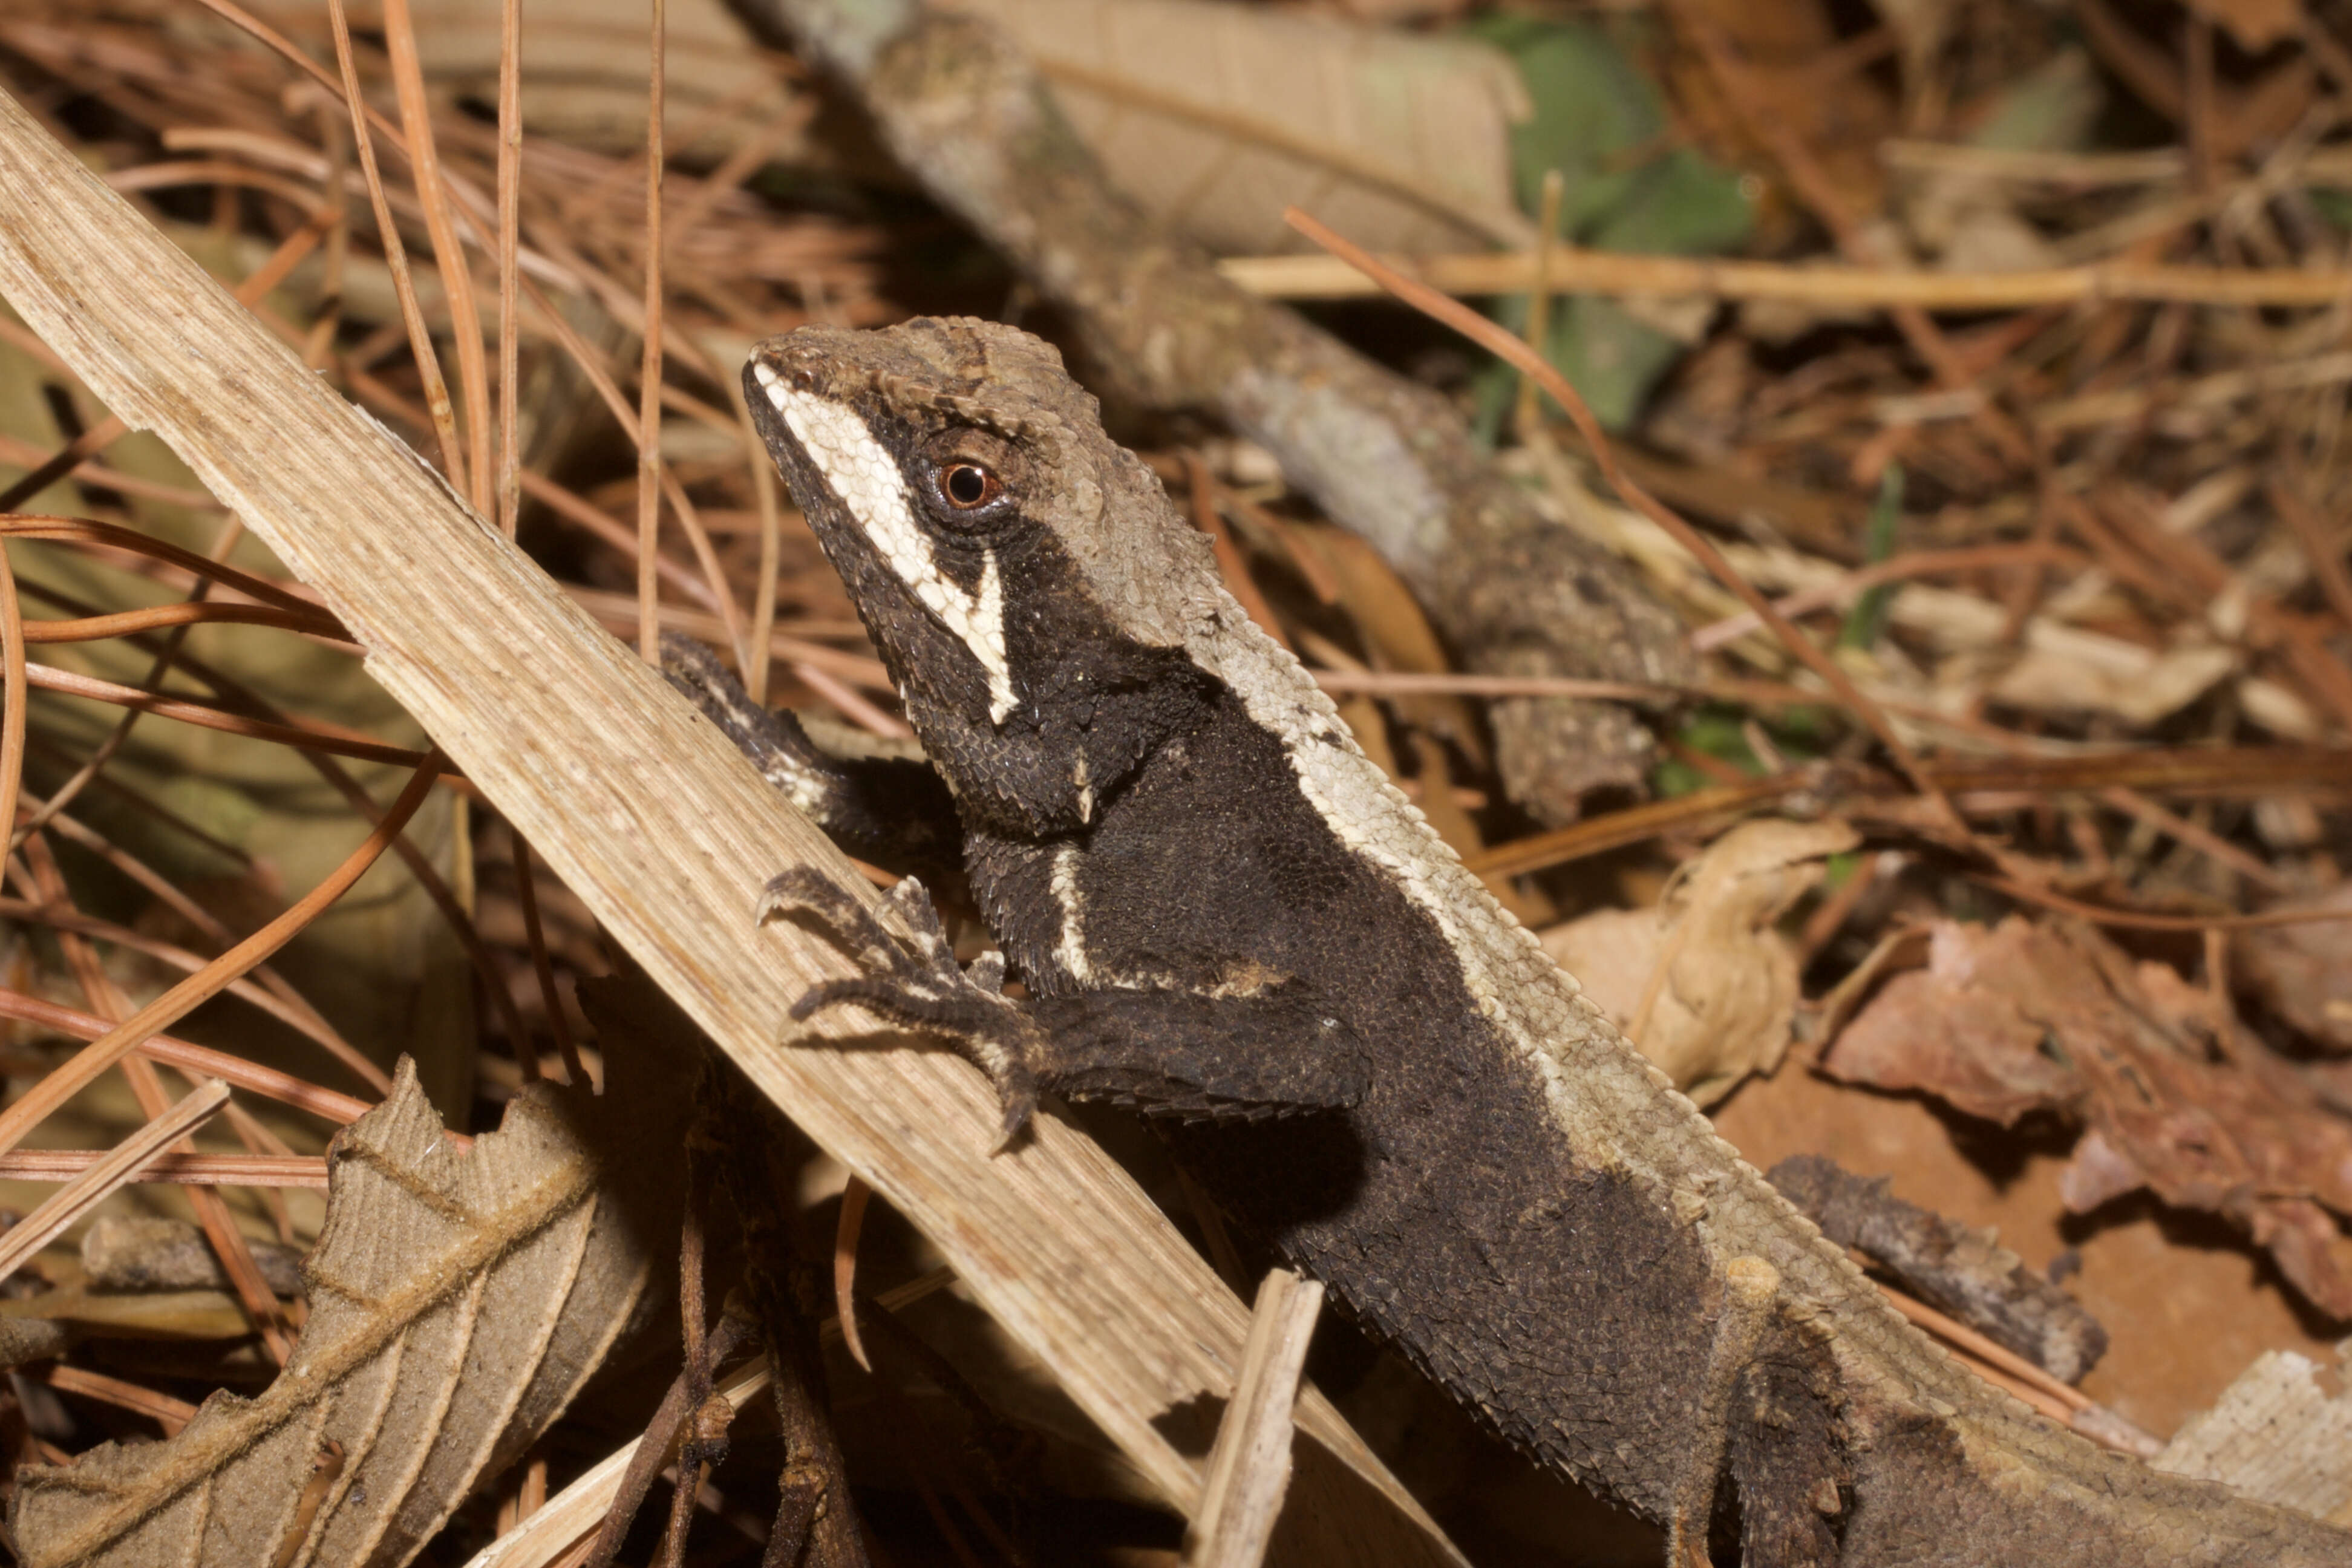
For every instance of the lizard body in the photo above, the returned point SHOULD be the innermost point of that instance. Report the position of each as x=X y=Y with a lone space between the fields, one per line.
x=1225 y=915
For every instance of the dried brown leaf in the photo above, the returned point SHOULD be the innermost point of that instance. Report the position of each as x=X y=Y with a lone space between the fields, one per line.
x=1955 y=1031
x=584 y=71
x=457 y=1303
x=1395 y=629
x=1702 y=984
x=2022 y=1016
x=2302 y=973
x=1216 y=117
x=2277 y=1434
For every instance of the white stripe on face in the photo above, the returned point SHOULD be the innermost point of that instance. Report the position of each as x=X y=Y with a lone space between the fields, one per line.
x=863 y=474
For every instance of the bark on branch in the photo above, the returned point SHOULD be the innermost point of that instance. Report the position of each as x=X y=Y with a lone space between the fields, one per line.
x=1516 y=593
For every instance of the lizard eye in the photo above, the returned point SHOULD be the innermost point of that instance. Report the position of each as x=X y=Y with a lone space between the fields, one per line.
x=968 y=487
x=968 y=480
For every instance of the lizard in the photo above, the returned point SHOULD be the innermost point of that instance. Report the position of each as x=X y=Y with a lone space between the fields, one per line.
x=1223 y=914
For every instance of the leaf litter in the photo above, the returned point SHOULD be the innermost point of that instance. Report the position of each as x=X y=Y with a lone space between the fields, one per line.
x=458 y=1302
x=2114 y=546
x=2025 y=1016
x=1703 y=981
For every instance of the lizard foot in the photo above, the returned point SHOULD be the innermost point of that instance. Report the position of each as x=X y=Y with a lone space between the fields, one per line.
x=917 y=985
x=694 y=667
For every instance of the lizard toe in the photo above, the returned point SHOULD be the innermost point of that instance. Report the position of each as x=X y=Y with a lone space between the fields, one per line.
x=912 y=902
x=802 y=893
x=1017 y=1096
x=984 y=1028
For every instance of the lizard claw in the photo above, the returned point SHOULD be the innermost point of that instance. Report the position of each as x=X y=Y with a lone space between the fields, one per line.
x=852 y=926
x=916 y=984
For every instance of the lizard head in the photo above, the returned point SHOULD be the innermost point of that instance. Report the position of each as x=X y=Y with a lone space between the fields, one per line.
x=1027 y=583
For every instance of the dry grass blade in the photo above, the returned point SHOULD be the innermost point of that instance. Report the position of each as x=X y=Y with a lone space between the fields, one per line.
x=1613 y=272
x=1633 y=824
x=167 y=1412
x=122 y=623
x=76 y=453
x=1400 y=683
x=85 y=1192
x=66 y=921
x=2136 y=919
x=208 y=982
x=12 y=723
x=199 y=568
x=771 y=514
x=316 y=737
x=509 y=487
x=543 y=970
x=448 y=254
x=569 y=1518
x=178 y=1170
x=437 y=389
x=653 y=821
x=649 y=495
x=854 y=1195
x=571 y=1513
x=458 y=1302
x=1249 y=1468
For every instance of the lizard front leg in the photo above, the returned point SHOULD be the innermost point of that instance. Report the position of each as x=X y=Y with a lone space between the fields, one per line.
x=1164 y=1052
x=887 y=808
